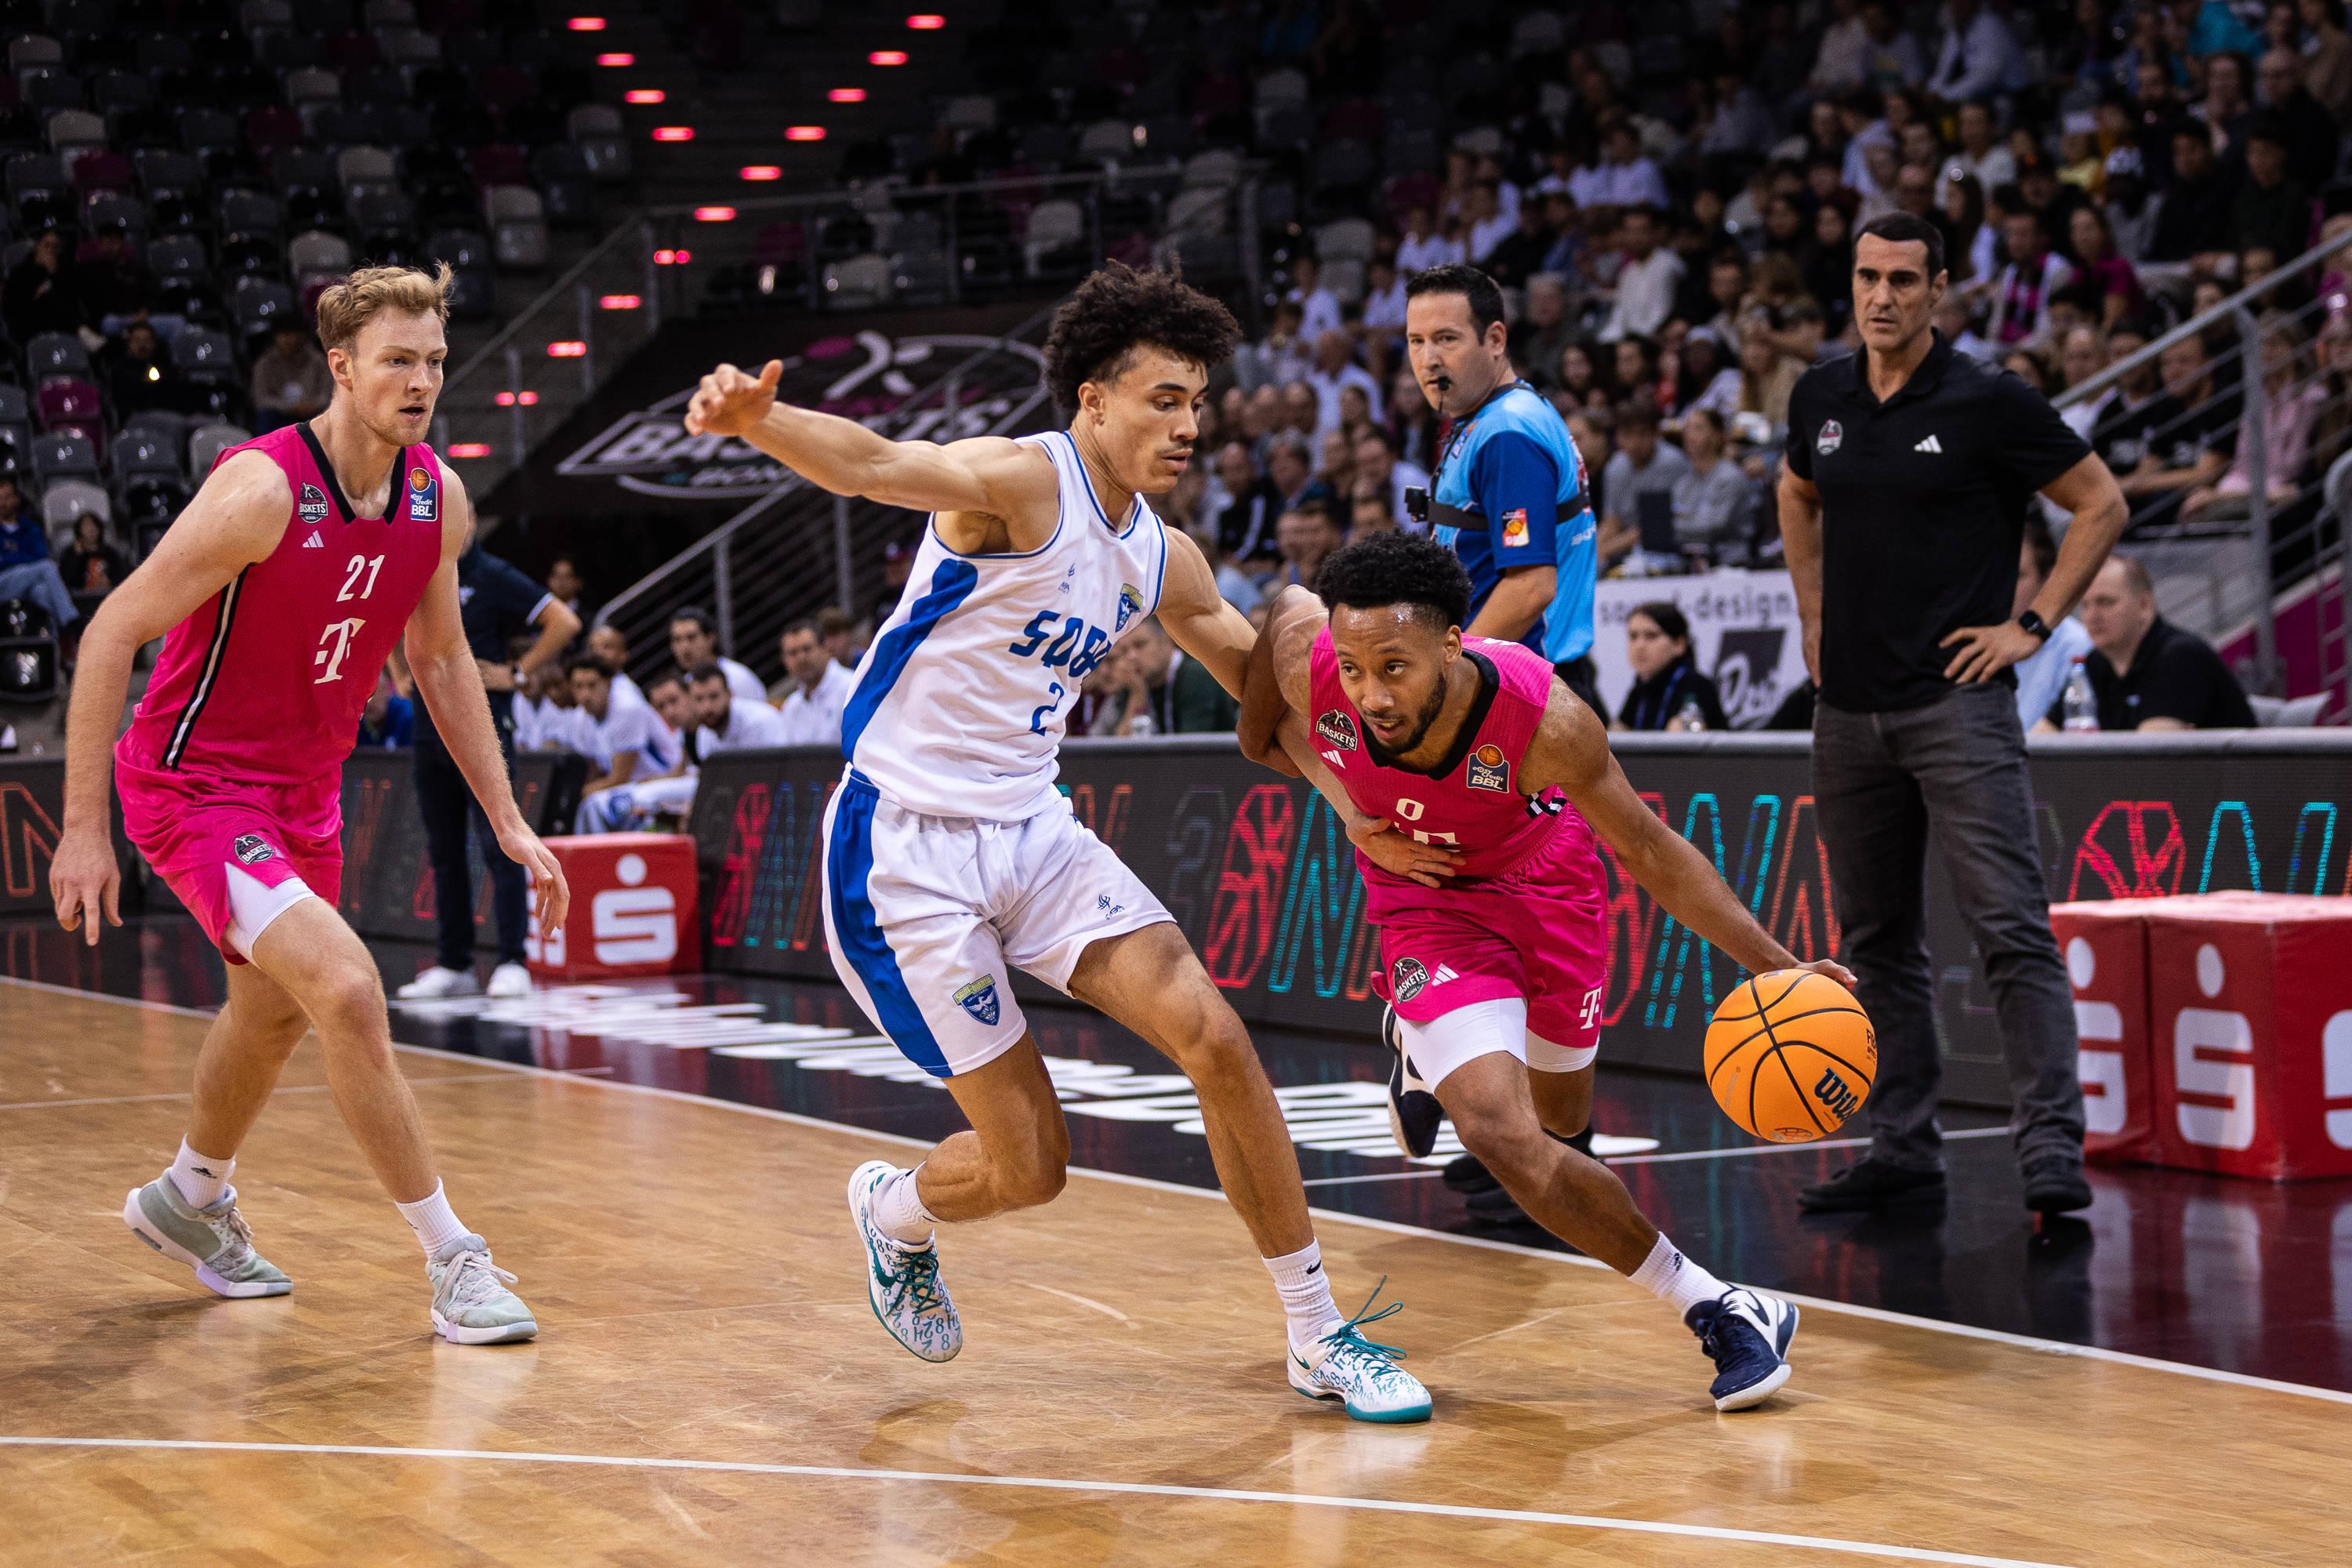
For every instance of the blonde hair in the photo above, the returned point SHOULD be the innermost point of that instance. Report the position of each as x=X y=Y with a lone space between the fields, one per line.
x=350 y=305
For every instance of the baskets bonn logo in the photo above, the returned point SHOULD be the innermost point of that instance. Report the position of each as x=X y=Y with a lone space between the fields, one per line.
x=1831 y=437
x=867 y=378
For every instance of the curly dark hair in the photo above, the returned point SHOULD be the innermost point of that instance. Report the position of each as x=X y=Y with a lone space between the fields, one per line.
x=1121 y=309
x=1397 y=569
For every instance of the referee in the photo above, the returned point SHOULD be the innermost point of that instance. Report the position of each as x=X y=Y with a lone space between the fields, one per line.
x=1507 y=494
x=498 y=603
x=1903 y=498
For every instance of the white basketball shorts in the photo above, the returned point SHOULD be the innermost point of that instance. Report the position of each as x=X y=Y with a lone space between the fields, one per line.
x=925 y=916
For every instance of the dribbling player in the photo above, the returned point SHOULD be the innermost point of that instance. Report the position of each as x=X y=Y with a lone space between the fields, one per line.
x=951 y=858
x=280 y=592
x=1494 y=969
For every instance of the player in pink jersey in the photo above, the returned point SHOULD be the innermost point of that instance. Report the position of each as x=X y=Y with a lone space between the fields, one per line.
x=283 y=588
x=1492 y=947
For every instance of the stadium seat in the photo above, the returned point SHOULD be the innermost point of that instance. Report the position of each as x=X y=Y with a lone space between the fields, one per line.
x=147 y=449
x=972 y=111
x=363 y=169
x=16 y=449
x=1054 y=226
x=925 y=277
x=313 y=86
x=61 y=454
x=54 y=353
x=66 y=402
x=48 y=88
x=499 y=163
x=259 y=304
x=205 y=356
x=1108 y=141
x=517 y=222
x=178 y=256
x=315 y=253
x=566 y=182
x=98 y=169
x=1198 y=212
x=66 y=499
x=209 y=441
x=164 y=171
x=462 y=248
x=1348 y=237
x=109 y=213
x=249 y=212
x=386 y=221
x=13 y=406
x=272 y=126
x=34 y=50
x=148 y=502
x=29 y=653
x=857 y=283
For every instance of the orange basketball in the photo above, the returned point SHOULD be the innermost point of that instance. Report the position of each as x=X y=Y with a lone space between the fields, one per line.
x=1791 y=1054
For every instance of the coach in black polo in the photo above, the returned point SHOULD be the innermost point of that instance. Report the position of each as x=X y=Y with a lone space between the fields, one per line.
x=1903 y=500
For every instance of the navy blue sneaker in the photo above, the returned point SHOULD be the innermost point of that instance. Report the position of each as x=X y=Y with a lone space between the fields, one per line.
x=1747 y=1334
x=1414 y=1111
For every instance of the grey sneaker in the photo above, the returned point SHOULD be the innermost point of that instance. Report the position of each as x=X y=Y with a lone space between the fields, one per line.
x=216 y=1242
x=902 y=1282
x=471 y=1303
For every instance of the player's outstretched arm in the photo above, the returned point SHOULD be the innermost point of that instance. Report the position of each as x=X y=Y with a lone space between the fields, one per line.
x=450 y=682
x=235 y=519
x=1570 y=752
x=987 y=475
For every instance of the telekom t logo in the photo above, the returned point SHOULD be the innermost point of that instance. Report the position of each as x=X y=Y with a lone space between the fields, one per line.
x=2214 y=1058
x=634 y=923
x=334 y=644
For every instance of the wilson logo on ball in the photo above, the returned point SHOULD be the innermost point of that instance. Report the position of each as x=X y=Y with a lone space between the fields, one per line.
x=1837 y=1098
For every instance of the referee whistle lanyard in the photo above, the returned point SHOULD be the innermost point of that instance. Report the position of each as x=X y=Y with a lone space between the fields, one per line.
x=1460 y=427
x=1682 y=667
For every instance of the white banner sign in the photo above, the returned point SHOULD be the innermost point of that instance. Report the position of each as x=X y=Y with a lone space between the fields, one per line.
x=1744 y=628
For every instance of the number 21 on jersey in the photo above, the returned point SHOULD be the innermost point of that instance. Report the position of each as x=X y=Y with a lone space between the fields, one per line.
x=335 y=642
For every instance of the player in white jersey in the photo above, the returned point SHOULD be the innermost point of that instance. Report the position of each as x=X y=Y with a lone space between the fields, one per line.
x=951 y=856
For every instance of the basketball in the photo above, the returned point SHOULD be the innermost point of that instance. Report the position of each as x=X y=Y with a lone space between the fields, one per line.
x=1791 y=1054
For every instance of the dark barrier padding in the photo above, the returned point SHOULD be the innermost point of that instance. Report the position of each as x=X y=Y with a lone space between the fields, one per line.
x=1262 y=879
x=32 y=808
x=387 y=881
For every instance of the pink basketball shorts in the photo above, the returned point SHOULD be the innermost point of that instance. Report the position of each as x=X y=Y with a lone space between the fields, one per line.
x=1535 y=932
x=238 y=855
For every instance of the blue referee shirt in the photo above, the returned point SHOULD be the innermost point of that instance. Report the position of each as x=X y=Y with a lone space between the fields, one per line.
x=1510 y=491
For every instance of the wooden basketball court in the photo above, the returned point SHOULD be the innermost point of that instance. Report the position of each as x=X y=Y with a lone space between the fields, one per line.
x=711 y=1387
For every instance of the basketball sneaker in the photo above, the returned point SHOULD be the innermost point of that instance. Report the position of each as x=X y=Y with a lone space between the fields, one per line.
x=508 y=980
x=436 y=983
x=471 y=1303
x=1747 y=1333
x=214 y=1241
x=902 y=1282
x=1414 y=1113
x=1359 y=1374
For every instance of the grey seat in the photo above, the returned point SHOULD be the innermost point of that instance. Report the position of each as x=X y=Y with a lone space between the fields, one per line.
x=210 y=441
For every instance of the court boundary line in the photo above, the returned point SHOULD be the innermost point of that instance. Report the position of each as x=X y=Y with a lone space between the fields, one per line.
x=1394 y=1227
x=1066 y=1484
x=1675 y=1157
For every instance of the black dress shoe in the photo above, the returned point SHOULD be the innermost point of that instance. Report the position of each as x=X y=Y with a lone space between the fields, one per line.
x=1869 y=1184
x=2054 y=1184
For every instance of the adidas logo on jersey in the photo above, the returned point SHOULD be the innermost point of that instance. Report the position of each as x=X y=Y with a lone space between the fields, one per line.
x=1929 y=445
x=314 y=543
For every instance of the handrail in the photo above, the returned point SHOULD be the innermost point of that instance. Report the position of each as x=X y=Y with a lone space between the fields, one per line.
x=2244 y=300
x=794 y=483
x=892 y=190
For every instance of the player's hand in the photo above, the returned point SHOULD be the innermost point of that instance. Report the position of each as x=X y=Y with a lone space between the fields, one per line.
x=1986 y=651
x=1404 y=855
x=730 y=402
x=551 y=896
x=85 y=883
x=1833 y=968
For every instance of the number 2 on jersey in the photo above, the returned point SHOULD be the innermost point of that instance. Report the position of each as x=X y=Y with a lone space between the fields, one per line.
x=1037 y=719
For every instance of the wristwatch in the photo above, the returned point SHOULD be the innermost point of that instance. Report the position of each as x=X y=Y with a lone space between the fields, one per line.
x=2035 y=624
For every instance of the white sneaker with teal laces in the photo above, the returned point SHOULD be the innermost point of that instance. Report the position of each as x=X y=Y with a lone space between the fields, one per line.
x=216 y=1242
x=1362 y=1375
x=902 y=1282
x=471 y=1303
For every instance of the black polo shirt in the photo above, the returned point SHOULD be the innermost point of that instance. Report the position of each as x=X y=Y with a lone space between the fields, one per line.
x=2173 y=675
x=1923 y=511
x=496 y=601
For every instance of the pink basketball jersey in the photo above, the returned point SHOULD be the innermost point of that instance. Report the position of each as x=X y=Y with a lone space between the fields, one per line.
x=266 y=681
x=1472 y=800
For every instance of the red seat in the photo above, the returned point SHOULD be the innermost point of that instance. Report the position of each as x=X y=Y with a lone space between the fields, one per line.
x=499 y=163
x=500 y=87
x=271 y=128
x=67 y=402
x=100 y=169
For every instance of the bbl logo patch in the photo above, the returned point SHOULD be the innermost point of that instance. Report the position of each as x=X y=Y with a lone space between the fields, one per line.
x=1131 y=605
x=1337 y=729
x=424 y=497
x=251 y=850
x=1489 y=769
x=978 y=997
x=1514 y=526
x=1410 y=979
x=312 y=507
x=1829 y=437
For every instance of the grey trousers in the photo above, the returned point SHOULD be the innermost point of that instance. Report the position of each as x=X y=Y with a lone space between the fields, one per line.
x=1951 y=776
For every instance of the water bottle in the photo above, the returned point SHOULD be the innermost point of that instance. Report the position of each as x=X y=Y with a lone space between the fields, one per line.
x=2081 y=705
x=1142 y=724
x=1689 y=717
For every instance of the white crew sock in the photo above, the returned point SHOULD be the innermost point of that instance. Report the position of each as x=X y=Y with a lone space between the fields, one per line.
x=433 y=1220
x=1306 y=1293
x=200 y=1178
x=899 y=1212
x=1675 y=1279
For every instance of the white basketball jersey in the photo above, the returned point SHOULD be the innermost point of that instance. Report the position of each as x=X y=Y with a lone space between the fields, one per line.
x=961 y=700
